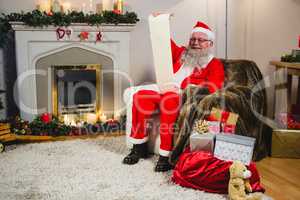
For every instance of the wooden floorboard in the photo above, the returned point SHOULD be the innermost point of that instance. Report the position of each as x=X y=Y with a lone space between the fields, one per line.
x=281 y=177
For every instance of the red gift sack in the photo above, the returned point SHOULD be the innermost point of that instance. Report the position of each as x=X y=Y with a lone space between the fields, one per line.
x=200 y=170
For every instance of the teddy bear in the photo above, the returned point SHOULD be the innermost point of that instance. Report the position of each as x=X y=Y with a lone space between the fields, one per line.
x=239 y=183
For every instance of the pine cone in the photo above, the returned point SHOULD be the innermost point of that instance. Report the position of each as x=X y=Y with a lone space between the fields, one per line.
x=201 y=126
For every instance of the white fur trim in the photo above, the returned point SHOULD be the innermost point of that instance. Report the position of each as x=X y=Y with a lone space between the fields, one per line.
x=210 y=57
x=209 y=33
x=164 y=152
x=138 y=141
x=182 y=73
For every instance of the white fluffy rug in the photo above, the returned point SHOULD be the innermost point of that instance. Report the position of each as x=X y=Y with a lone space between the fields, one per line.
x=85 y=169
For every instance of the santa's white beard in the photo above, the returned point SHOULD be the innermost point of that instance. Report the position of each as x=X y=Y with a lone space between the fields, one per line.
x=195 y=57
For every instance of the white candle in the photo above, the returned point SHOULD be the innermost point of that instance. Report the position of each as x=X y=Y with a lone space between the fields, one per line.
x=99 y=8
x=108 y=5
x=44 y=6
x=66 y=119
x=91 y=10
x=120 y=6
x=83 y=8
x=66 y=7
x=103 y=118
x=91 y=118
x=73 y=123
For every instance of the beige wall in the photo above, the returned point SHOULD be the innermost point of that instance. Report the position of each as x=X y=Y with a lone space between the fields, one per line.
x=263 y=31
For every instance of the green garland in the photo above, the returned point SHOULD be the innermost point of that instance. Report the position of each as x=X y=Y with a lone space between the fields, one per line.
x=42 y=19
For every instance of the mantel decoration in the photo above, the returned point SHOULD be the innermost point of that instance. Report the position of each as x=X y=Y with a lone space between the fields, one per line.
x=37 y=18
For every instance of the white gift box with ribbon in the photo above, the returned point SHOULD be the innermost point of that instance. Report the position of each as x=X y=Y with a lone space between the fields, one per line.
x=234 y=147
x=202 y=142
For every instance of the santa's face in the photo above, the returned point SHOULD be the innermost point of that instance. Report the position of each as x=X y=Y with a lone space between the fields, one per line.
x=200 y=41
x=198 y=51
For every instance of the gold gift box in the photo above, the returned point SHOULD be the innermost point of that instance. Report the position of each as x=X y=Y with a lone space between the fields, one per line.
x=285 y=143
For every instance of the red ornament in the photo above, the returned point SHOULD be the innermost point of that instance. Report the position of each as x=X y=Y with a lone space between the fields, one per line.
x=50 y=13
x=60 y=33
x=117 y=12
x=46 y=118
x=84 y=35
x=99 y=36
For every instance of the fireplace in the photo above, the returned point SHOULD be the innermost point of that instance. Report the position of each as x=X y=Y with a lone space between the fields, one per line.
x=41 y=57
x=76 y=93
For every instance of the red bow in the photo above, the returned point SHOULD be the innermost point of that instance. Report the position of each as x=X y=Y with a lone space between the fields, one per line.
x=84 y=35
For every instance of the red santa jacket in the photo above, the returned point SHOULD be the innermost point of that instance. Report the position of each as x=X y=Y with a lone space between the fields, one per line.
x=211 y=76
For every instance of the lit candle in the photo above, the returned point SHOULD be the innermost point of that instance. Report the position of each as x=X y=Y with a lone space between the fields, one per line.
x=44 y=6
x=99 y=8
x=120 y=6
x=73 y=123
x=83 y=8
x=103 y=118
x=91 y=10
x=67 y=120
x=91 y=118
x=66 y=7
x=49 y=2
x=117 y=116
x=108 y=5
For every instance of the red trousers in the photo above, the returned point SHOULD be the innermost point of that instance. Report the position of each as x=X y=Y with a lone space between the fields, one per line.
x=145 y=103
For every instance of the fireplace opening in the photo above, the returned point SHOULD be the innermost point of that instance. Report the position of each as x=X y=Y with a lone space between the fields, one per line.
x=76 y=93
x=82 y=96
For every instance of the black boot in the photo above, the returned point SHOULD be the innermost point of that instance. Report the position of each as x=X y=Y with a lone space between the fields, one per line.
x=138 y=151
x=163 y=164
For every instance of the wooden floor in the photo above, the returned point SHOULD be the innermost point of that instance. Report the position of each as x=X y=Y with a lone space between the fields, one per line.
x=281 y=177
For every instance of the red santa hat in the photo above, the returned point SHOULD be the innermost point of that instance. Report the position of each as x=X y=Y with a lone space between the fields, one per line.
x=203 y=28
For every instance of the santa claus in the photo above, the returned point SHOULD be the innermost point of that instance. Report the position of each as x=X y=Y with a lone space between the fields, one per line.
x=194 y=64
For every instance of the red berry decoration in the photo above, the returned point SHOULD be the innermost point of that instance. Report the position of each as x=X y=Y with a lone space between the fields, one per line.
x=46 y=118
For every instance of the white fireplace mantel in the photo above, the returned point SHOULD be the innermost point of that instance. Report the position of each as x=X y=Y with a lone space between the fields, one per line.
x=34 y=43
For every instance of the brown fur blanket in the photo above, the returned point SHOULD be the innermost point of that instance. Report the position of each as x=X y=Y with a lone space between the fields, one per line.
x=243 y=93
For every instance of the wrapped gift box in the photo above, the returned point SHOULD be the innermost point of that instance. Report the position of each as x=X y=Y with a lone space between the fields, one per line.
x=234 y=147
x=285 y=143
x=202 y=142
x=227 y=119
x=214 y=127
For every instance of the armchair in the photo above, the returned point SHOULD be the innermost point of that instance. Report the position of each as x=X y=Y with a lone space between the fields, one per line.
x=243 y=93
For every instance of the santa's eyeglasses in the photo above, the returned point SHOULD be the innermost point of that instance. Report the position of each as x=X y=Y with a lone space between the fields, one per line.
x=194 y=40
